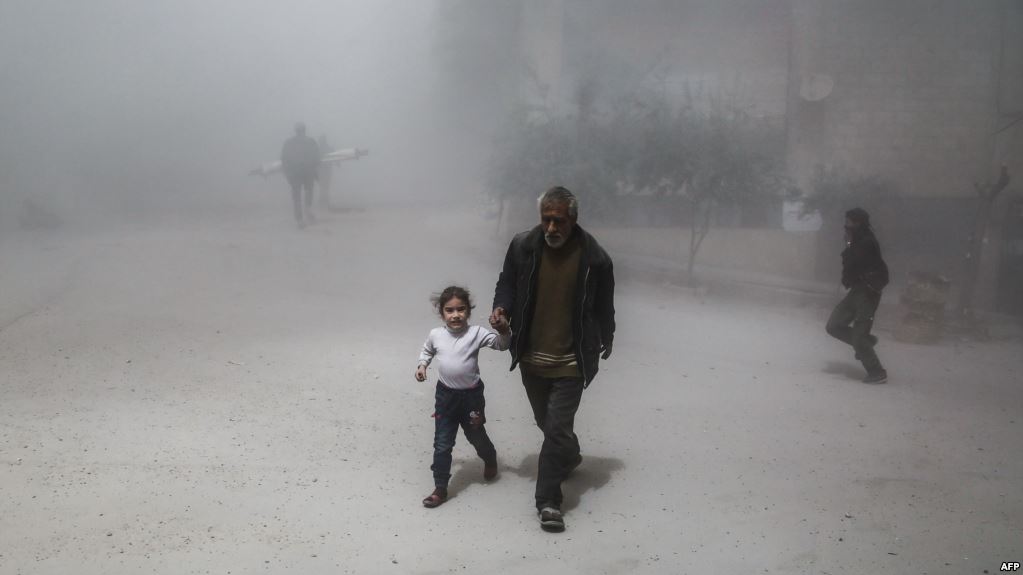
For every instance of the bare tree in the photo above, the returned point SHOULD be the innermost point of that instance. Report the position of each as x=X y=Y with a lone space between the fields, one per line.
x=708 y=157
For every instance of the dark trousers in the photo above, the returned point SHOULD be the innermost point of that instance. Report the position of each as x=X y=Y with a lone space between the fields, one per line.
x=299 y=182
x=851 y=322
x=454 y=408
x=554 y=402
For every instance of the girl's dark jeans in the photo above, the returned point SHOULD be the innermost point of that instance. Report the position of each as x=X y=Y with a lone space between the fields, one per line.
x=456 y=408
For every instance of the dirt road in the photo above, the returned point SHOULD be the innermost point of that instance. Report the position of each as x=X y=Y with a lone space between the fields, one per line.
x=238 y=398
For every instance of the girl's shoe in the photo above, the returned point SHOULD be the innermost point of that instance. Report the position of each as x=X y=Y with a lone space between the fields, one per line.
x=439 y=495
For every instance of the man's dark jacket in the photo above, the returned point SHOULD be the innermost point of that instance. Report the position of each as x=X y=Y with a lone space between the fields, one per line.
x=593 y=319
x=862 y=262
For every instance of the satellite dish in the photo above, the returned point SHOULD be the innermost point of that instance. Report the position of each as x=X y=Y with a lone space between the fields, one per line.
x=816 y=87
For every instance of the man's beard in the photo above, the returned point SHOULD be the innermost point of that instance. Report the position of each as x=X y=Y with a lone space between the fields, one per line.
x=554 y=241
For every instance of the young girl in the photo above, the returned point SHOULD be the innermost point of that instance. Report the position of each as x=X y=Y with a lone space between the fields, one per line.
x=459 y=398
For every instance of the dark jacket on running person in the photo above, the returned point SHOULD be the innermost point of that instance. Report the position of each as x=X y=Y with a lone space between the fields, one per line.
x=862 y=262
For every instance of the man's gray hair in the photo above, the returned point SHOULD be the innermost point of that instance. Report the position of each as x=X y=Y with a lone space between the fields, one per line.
x=559 y=195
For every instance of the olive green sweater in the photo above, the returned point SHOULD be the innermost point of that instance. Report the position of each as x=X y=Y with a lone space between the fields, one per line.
x=550 y=352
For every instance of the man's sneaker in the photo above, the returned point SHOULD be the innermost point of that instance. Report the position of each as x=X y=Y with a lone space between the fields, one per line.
x=876 y=377
x=551 y=520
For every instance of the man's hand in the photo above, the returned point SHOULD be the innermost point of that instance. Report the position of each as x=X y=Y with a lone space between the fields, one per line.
x=497 y=317
x=606 y=351
x=421 y=373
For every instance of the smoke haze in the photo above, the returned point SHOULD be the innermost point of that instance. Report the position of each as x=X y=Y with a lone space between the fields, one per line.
x=115 y=107
x=192 y=380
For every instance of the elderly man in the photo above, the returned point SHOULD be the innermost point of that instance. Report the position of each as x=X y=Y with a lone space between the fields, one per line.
x=557 y=291
x=300 y=161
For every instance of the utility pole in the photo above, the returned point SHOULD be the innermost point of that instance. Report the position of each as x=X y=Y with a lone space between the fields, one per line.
x=987 y=194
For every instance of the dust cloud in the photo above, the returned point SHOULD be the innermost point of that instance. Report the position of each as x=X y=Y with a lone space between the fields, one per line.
x=193 y=381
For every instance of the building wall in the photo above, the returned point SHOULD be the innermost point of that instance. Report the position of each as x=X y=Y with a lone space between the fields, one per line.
x=914 y=91
x=542 y=32
x=735 y=49
x=910 y=90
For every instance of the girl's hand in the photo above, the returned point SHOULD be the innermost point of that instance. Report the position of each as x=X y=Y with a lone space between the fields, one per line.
x=421 y=373
x=497 y=316
x=500 y=325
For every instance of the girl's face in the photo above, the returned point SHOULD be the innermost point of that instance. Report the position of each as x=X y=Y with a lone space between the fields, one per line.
x=455 y=313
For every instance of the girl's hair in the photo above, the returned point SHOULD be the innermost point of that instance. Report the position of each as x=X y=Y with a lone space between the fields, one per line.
x=448 y=294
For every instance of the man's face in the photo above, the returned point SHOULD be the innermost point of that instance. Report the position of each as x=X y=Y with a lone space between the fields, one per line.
x=557 y=224
x=850 y=230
